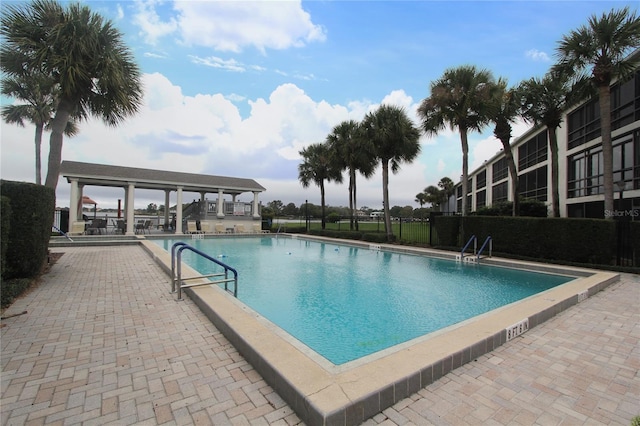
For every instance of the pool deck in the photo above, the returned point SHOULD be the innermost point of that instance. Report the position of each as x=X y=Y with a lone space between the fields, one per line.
x=104 y=341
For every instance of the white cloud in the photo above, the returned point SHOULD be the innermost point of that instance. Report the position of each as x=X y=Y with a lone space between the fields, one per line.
x=152 y=27
x=207 y=134
x=231 y=25
x=216 y=62
x=537 y=55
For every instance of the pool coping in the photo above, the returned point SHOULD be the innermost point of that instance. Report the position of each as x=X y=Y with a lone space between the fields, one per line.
x=354 y=392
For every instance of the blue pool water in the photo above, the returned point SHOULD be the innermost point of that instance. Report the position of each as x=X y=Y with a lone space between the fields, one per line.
x=346 y=302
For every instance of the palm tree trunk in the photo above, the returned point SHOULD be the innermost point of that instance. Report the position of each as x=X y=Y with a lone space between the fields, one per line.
x=607 y=148
x=322 y=202
x=465 y=168
x=38 y=143
x=385 y=198
x=351 y=225
x=514 y=177
x=355 y=203
x=555 y=193
x=58 y=125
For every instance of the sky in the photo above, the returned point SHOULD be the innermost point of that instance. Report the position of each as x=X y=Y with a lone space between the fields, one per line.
x=238 y=88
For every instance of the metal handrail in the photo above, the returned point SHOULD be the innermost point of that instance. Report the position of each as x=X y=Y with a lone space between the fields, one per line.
x=487 y=240
x=176 y=271
x=475 y=246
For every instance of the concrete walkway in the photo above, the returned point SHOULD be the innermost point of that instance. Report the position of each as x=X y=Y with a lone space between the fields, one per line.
x=104 y=342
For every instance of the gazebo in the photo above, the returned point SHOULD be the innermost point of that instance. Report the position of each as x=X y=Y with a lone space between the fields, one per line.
x=129 y=179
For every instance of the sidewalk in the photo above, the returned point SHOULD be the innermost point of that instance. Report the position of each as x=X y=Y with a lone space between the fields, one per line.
x=105 y=342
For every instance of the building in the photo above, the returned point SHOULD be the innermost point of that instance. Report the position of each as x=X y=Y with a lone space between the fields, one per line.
x=579 y=161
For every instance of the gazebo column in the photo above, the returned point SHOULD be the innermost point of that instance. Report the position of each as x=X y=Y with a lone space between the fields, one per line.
x=130 y=210
x=256 y=213
x=73 y=202
x=167 y=193
x=220 y=204
x=179 y=211
x=80 y=206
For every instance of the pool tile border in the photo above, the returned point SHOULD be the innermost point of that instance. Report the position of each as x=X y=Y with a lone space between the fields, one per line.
x=349 y=396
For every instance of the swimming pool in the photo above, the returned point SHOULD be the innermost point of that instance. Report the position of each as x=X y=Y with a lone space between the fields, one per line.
x=322 y=393
x=348 y=302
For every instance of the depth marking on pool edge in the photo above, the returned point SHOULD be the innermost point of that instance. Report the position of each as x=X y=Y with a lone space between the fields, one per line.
x=582 y=296
x=517 y=329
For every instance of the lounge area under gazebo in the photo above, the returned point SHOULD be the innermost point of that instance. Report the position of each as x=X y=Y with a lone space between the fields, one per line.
x=230 y=212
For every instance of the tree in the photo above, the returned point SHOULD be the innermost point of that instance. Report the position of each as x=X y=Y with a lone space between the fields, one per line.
x=395 y=140
x=317 y=167
x=152 y=208
x=353 y=153
x=84 y=54
x=290 y=210
x=603 y=45
x=38 y=92
x=447 y=187
x=276 y=206
x=543 y=101
x=433 y=196
x=459 y=99
x=504 y=112
x=421 y=198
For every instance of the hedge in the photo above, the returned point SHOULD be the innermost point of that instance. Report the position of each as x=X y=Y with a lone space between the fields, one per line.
x=29 y=227
x=588 y=241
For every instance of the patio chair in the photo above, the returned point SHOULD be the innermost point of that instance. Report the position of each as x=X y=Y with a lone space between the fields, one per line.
x=240 y=229
x=220 y=229
x=139 y=227
x=147 y=227
x=121 y=227
x=192 y=227
x=257 y=228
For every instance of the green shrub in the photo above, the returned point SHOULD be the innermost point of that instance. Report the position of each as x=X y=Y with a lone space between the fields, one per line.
x=12 y=289
x=5 y=216
x=589 y=241
x=333 y=218
x=377 y=237
x=529 y=207
x=30 y=221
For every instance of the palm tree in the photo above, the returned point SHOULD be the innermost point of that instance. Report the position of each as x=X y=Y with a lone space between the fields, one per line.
x=395 y=140
x=317 y=166
x=447 y=188
x=355 y=154
x=543 y=101
x=603 y=45
x=505 y=111
x=460 y=99
x=39 y=96
x=433 y=196
x=421 y=198
x=86 y=57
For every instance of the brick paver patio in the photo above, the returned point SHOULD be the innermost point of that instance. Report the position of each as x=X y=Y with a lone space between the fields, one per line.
x=105 y=342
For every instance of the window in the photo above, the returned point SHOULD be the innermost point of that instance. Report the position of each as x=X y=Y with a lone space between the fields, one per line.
x=534 y=184
x=623 y=97
x=481 y=199
x=533 y=151
x=499 y=192
x=585 y=173
x=481 y=179
x=500 y=169
x=584 y=124
x=586 y=167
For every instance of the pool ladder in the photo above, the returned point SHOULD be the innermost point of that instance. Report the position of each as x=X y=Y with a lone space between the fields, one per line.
x=178 y=282
x=475 y=258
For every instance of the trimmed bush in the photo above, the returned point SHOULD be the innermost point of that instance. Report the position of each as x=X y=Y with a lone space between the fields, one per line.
x=587 y=241
x=30 y=221
x=5 y=208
